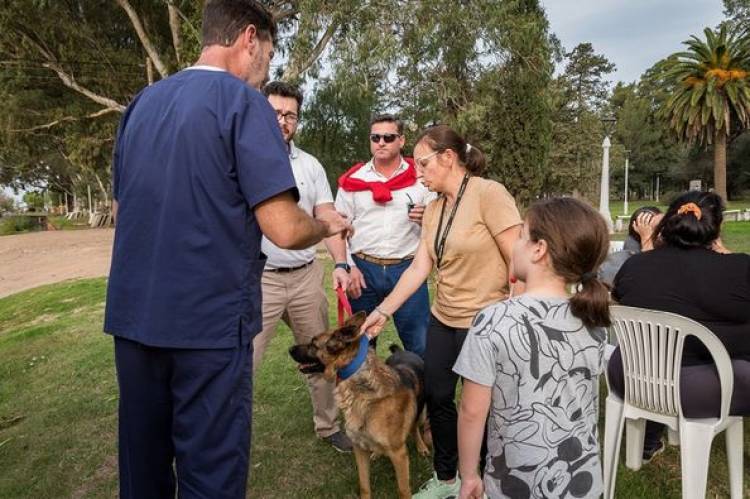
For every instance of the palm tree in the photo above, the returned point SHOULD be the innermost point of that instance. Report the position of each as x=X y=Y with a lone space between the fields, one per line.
x=710 y=93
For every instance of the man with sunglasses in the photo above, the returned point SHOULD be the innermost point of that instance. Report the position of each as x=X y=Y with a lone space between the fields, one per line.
x=293 y=279
x=385 y=202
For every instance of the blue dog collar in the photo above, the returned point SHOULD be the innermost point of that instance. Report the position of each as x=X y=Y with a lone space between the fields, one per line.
x=348 y=370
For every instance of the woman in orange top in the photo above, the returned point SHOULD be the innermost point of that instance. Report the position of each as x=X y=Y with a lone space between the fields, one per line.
x=467 y=236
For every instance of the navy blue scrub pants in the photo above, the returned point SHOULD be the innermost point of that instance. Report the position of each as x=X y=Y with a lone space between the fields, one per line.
x=185 y=413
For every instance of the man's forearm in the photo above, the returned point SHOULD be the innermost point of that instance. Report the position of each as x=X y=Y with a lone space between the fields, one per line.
x=307 y=231
x=337 y=248
x=287 y=225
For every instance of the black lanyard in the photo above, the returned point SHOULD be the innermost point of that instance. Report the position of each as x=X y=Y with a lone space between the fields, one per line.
x=440 y=239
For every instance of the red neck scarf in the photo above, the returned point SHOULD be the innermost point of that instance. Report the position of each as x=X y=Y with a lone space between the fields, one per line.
x=381 y=191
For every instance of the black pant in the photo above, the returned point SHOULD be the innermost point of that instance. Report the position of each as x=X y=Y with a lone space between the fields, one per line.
x=700 y=392
x=443 y=346
x=187 y=411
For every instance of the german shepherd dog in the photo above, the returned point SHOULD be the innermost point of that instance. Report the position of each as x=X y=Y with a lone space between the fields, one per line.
x=381 y=401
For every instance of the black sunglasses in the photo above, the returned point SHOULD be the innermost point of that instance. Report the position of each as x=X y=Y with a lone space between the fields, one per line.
x=387 y=137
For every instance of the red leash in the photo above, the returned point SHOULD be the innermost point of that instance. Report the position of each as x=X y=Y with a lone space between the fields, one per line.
x=343 y=305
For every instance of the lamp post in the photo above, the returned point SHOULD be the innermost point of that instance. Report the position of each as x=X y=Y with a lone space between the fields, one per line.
x=625 y=204
x=609 y=125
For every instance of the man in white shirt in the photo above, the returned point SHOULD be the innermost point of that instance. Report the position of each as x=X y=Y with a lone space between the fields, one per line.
x=385 y=202
x=293 y=279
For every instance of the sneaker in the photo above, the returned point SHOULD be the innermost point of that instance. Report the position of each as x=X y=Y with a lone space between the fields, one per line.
x=650 y=453
x=339 y=441
x=437 y=489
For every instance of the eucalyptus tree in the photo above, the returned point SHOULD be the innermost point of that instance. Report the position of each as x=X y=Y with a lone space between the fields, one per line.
x=70 y=67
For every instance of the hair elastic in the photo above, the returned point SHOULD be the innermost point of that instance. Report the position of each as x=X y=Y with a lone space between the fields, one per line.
x=468 y=147
x=690 y=208
x=588 y=276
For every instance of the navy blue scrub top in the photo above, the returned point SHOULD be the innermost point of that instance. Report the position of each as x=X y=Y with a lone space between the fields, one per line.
x=195 y=153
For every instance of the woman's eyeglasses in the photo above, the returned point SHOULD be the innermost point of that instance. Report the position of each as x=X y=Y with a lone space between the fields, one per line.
x=423 y=161
x=387 y=137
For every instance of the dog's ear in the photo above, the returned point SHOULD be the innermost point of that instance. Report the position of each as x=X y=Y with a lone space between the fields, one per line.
x=351 y=329
x=356 y=321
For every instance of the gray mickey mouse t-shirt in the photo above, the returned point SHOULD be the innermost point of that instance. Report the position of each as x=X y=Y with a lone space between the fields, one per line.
x=543 y=366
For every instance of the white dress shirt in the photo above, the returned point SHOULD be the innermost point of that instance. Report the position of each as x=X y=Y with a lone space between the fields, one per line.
x=383 y=230
x=314 y=190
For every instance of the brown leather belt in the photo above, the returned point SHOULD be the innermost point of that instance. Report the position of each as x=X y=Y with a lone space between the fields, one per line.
x=290 y=269
x=383 y=261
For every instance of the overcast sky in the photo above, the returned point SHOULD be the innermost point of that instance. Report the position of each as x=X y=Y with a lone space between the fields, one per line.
x=633 y=34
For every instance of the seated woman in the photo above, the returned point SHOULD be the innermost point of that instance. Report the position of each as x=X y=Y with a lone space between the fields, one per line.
x=690 y=273
x=641 y=227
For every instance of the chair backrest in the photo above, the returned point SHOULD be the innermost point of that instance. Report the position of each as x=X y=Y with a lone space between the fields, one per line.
x=615 y=246
x=651 y=344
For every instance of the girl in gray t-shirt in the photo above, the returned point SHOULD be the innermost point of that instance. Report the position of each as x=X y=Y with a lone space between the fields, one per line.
x=532 y=364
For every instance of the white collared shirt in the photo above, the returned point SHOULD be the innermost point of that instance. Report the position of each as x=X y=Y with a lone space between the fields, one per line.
x=383 y=229
x=314 y=190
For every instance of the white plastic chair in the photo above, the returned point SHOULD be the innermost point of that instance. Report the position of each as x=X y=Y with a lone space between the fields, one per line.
x=615 y=246
x=651 y=345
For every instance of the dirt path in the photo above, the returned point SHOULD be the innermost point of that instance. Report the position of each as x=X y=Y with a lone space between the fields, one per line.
x=30 y=260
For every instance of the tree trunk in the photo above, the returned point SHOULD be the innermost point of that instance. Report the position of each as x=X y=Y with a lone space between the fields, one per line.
x=720 y=164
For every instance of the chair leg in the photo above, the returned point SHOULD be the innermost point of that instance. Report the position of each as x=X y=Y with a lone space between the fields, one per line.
x=613 y=424
x=673 y=438
x=635 y=433
x=695 y=451
x=734 y=455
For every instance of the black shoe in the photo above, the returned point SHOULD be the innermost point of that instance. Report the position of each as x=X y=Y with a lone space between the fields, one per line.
x=339 y=441
x=649 y=453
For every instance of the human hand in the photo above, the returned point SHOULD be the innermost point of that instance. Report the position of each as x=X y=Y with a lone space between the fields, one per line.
x=416 y=213
x=341 y=279
x=356 y=283
x=374 y=324
x=718 y=246
x=471 y=487
x=335 y=223
x=644 y=225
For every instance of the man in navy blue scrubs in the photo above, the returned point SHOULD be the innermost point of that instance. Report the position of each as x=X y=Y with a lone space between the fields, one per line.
x=200 y=172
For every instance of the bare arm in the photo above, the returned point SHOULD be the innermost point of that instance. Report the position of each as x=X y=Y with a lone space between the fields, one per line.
x=505 y=241
x=114 y=210
x=718 y=246
x=336 y=246
x=289 y=227
x=408 y=283
x=475 y=405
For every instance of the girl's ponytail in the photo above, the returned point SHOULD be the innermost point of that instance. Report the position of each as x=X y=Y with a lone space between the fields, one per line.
x=578 y=241
x=591 y=302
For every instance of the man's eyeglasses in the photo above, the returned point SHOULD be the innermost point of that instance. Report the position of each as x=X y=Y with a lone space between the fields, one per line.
x=387 y=137
x=289 y=117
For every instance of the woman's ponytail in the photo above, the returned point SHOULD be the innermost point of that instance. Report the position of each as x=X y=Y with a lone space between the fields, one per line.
x=442 y=137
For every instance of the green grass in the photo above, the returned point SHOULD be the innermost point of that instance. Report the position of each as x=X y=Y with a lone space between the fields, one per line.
x=736 y=236
x=58 y=414
x=616 y=207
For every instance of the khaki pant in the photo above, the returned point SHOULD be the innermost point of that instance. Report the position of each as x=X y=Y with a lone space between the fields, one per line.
x=298 y=298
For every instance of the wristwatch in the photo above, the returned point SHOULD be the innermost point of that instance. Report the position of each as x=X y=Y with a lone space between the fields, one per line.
x=343 y=265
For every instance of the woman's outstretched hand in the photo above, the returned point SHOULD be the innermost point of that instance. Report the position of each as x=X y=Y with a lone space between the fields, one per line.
x=374 y=323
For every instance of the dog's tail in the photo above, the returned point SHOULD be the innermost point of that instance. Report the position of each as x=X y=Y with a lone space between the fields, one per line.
x=394 y=348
